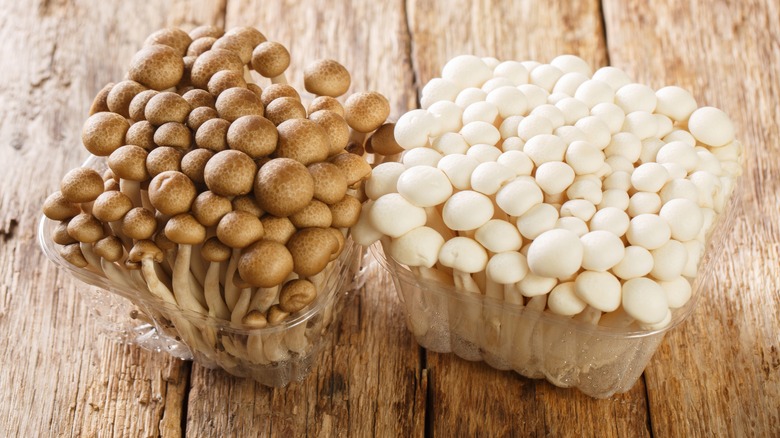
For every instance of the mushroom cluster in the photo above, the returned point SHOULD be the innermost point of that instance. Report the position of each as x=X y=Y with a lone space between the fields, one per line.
x=221 y=197
x=554 y=186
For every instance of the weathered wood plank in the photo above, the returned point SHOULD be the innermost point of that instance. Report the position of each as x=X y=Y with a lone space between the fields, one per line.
x=718 y=375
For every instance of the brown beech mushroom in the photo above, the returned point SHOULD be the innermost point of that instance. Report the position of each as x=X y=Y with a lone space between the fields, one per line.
x=316 y=214
x=200 y=45
x=141 y=134
x=139 y=224
x=354 y=168
x=109 y=248
x=215 y=253
x=73 y=255
x=209 y=208
x=85 y=228
x=271 y=59
x=184 y=230
x=364 y=113
x=162 y=159
x=128 y=163
x=99 y=103
x=284 y=108
x=335 y=127
x=60 y=234
x=335 y=232
x=157 y=67
x=110 y=207
x=346 y=212
x=247 y=203
x=236 y=102
x=104 y=132
x=212 y=135
x=56 y=207
x=171 y=193
x=212 y=61
x=326 y=77
x=198 y=98
x=326 y=103
x=165 y=107
x=81 y=185
x=230 y=173
x=237 y=229
x=193 y=164
x=237 y=44
x=206 y=30
x=248 y=33
x=311 y=250
x=265 y=263
x=146 y=254
x=121 y=95
x=382 y=141
x=173 y=134
x=283 y=186
x=296 y=294
x=303 y=141
x=138 y=104
x=199 y=116
x=330 y=184
x=255 y=136
x=172 y=37
x=277 y=229
x=275 y=91
x=224 y=79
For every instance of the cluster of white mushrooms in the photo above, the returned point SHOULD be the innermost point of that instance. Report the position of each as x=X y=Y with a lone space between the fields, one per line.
x=220 y=197
x=555 y=187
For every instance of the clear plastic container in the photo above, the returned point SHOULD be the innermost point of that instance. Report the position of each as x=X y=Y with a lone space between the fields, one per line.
x=273 y=356
x=569 y=352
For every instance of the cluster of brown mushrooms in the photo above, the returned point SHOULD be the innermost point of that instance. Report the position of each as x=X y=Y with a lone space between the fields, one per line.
x=220 y=197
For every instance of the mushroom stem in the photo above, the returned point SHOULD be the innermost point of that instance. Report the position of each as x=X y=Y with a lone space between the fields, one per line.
x=255 y=350
x=263 y=298
x=435 y=221
x=92 y=258
x=145 y=202
x=182 y=289
x=295 y=338
x=132 y=189
x=467 y=314
x=522 y=350
x=231 y=291
x=197 y=265
x=242 y=305
x=213 y=295
x=116 y=274
x=491 y=314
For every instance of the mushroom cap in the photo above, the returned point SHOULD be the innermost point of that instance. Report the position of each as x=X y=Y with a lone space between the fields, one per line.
x=73 y=255
x=463 y=254
x=296 y=294
x=283 y=186
x=139 y=223
x=255 y=319
x=137 y=106
x=212 y=61
x=366 y=111
x=85 y=228
x=467 y=210
x=247 y=203
x=311 y=249
x=162 y=159
x=208 y=208
x=556 y=253
x=418 y=247
x=270 y=59
x=206 y=30
x=335 y=127
x=326 y=77
x=236 y=102
x=302 y=140
x=104 y=132
x=253 y=36
x=354 y=167
x=394 y=216
x=382 y=141
x=172 y=37
x=141 y=134
x=345 y=212
x=109 y=248
x=171 y=192
x=129 y=162
x=253 y=135
x=166 y=106
x=276 y=315
x=215 y=251
x=224 y=79
x=163 y=241
x=265 y=263
x=193 y=164
x=235 y=43
x=498 y=235
x=239 y=229
x=199 y=116
x=335 y=232
x=111 y=206
x=57 y=207
x=275 y=91
x=121 y=95
x=81 y=184
x=157 y=67
x=277 y=229
x=212 y=134
x=316 y=214
x=284 y=108
x=198 y=97
x=330 y=184
x=326 y=103
x=60 y=234
x=145 y=249
x=200 y=45
x=99 y=103
x=230 y=173
x=184 y=229
x=437 y=186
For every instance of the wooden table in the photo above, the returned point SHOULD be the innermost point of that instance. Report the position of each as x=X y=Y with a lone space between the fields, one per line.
x=717 y=375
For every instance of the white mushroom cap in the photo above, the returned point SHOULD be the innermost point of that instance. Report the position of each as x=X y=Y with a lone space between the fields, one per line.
x=568 y=83
x=649 y=177
x=554 y=177
x=637 y=262
x=480 y=133
x=470 y=95
x=450 y=143
x=616 y=198
x=678 y=292
x=463 y=254
x=573 y=224
x=642 y=123
x=572 y=63
x=534 y=125
x=680 y=135
x=448 y=115
x=512 y=142
x=394 y=216
x=535 y=94
x=467 y=210
x=601 y=250
x=675 y=102
x=612 y=219
x=537 y=220
x=680 y=188
x=645 y=300
x=492 y=84
x=624 y=144
x=519 y=196
x=650 y=148
x=550 y=112
x=555 y=253
x=458 y=168
x=363 y=232
x=484 y=152
x=418 y=247
x=489 y=176
x=384 y=179
x=695 y=249
x=507 y=267
x=518 y=161
x=610 y=114
x=649 y=231
x=636 y=97
x=584 y=158
x=617 y=180
x=711 y=126
x=579 y=208
x=545 y=76
x=466 y=71
x=563 y=300
x=533 y=285
x=438 y=89
x=669 y=260
x=509 y=101
x=665 y=125
x=420 y=157
x=593 y=92
x=680 y=153
x=424 y=186
x=413 y=128
x=614 y=76
x=643 y=203
x=596 y=131
x=499 y=236
x=482 y=111
x=601 y=290
x=512 y=70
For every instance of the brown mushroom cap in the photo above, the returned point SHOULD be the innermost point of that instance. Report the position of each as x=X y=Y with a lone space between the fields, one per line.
x=283 y=186
x=174 y=38
x=383 y=141
x=335 y=127
x=200 y=45
x=275 y=91
x=255 y=89
x=57 y=207
x=138 y=104
x=276 y=315
x=249 y=33
x=60 y=234
x=185 y=84
x=141 y=134
x=166 y=106
x=224 y=79
x=255 y=136
x=103 y=132
x=198 y=98
x=199 y=116
x=85 y=228
x=354 y=167
x=121 y=95
x=277 y=229
x=157 y=67
x=366 y=111
x=270 y=59
x=212 y=61
x=345 y=212
x=340 y=239
x=184 y=229
x=173 y=134
x=73 y=255
x=303 y=141
x=129 y=162
x=235 y=43
x=255 y=319
x=212 y=135
x=326 y=77
x=215 y=251
x=330 y=184
x=171 y=192
x=265 y=263
x=230 y=173
x=139 y=223
x=284 y=108
x=236 y=102
x=208 y=208
x=111 y=185
x=109 y=248
x=326 y=103
x=193 y=164
x=100 y=102
x=247 y=203
x=316 y=214
x=81 y=184
x=206 y=30
x=163 y=158
x=311 y=249
x=162 y=241
x=145 y=249
x=111 y=206
x=296 y=294
x=239 y=229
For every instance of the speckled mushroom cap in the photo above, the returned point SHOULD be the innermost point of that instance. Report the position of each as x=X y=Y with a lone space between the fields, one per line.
x=206 y=30
x=335 y=232
x=239 y=229
x=211 y=62
x=193 y=164
x=138 y=105
x=199 y=116
x=277 y=229
x=236 y=102
x=99 y=103
x=173 y=134
x=121 y=95
x=255 y=319
x=303 y=141
x=60 y=234
x=326 y=103
x=208 y=208
x=57 y=207
x=212 y=134
x=283 y=186
x=171 y=192
x=284 y=108
x=253 y=36
x=270 y=59
x=214 y=251
x=139 y=223
x=198 y=98
x=253 y=135
x=330 y=184
x=172 y=37
x=166 y=106
x=81 y=184
x=354 y=167
x=236 y=44
x=184 y=229
x=111 y=206
x=145 y=249
x=162 y=159
x=335 y=127
x=103 y=132
x=224 y=79
x=85 y=228
x=326 y=77
x=366 y=111
x=109 y=248
x=275 y=91
x=316 y=214
x=73 y=255
x=311 y=249
x=346 y=212
x=230 y=173
x=247 y=203
x=129 y=162
x=157 y=67
x=383 y=141
x=200 y=45
x=265 y=263
x=296 y=294
x=141 y=133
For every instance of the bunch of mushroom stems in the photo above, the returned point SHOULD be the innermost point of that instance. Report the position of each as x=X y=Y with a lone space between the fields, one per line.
x=552 y=187
x=225 y=198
